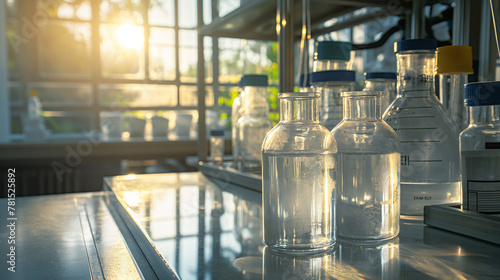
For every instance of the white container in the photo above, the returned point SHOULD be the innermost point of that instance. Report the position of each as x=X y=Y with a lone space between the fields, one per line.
x=160 y=126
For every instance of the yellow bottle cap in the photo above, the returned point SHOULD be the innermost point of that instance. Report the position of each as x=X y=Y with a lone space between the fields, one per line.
x=454 y=59
x=33 y=92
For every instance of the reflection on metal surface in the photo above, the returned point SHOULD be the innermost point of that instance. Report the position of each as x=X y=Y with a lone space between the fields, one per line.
x=374 y=260
x=282 y=266
x=208 y=231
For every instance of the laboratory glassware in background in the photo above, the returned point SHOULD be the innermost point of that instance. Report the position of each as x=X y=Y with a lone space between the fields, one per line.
x=430 y=166
x=330 y=84
x=480 y=149
x=252 y=127
x=35 y=129
x=367 y=170
x=305 y=83
x=298 y=189
x=332 y=55
x=248 y=83
x=454 y=63
x=384 y=82
x=217 y=145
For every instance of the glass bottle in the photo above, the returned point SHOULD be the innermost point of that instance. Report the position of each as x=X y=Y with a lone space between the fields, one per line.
x=252 y=127
x=298 y=192
x=384 y=82
x=454 y=63
x=248 y=83
x=332 y=55
x=430 y=168
x=217 y=145
x=480 y=149
x=368 y=170
x=330 y=84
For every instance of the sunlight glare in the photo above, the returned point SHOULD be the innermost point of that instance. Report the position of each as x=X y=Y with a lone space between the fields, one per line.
x=130 y=36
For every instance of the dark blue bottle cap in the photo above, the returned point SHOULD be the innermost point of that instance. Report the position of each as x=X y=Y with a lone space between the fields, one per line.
x=482 y=94
x=217 y=132
x=253 y=80
x=326 y=50
x=415 y=44
x=381 y=75
x=307 y=82
x=333 y=76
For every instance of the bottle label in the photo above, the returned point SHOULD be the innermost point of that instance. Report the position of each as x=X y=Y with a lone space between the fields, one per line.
x=483 y=197
x=492 y=145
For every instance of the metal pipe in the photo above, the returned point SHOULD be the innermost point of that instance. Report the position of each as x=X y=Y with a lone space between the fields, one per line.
x=202 y=141
x=461 y=22
x=417 y=19
x=284 y=31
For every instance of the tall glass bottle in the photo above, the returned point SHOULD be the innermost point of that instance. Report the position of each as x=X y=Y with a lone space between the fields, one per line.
x=430 y=168
x=368 y=170
x=330 y=84
x=252 y=127
x=298 y=192
x=332 y=55
x=248 y=83
x=480 y=149
x=454 y=63
x=384 y=82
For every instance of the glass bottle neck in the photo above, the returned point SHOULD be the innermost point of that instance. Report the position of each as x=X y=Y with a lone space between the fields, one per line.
x=305 y=109
x=484 y=114
x=362 y=107
x=416 y=73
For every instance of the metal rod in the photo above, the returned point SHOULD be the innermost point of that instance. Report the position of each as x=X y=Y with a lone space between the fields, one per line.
x=284 y=31
x=417 y=19
x=202 y=143
x=461 y=22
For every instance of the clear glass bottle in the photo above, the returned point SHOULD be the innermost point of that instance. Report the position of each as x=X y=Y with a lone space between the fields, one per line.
x=454 y=63
x=480 y=149
x=217 y=145
x=298 y=191
x=330 y=84
x=332 y=55
x=248 y=83
x=252 y=127
x=368 y=170
x=384 y=82
x=430 y=167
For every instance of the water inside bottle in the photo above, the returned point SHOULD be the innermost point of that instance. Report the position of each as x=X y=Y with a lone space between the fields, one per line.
x=300 y=183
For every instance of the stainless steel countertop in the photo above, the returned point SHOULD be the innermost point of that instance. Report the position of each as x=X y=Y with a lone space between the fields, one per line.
x=70 y=236
x=198 y=229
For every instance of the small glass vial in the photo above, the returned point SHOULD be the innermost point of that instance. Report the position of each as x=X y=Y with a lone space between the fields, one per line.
x=248 y=83
x=217 y=145
x=332 y=55
x=480 y=149
x=384 y=82
x=368 y=170
x=252 y=127
x=454 y=63
x=430 y=165
x=298 y=191
x=330 y=84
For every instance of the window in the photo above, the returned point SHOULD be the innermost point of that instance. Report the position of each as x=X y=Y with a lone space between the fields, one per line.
x=138 y=58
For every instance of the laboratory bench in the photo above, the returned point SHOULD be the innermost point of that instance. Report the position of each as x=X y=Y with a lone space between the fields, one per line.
x=189 y=226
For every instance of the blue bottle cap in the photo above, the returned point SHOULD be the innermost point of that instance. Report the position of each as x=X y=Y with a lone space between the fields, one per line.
x=326 y=50
x=482 y=94
x=381 y=75
x=415 y=44
x=253 y=80
x=217 y=132
x=307 y=80
x=333 y=76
